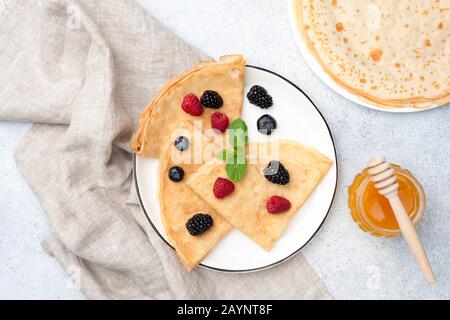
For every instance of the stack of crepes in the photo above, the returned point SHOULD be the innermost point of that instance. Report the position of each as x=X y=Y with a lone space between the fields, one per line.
x=389 y=53
x=164 y=120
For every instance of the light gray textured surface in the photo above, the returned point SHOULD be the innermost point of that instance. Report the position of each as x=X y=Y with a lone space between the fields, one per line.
x=352 y=264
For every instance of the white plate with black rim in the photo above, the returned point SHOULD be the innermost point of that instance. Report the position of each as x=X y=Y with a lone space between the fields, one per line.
x=299 y=120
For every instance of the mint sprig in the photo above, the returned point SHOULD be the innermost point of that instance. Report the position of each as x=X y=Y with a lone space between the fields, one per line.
x=236 y=162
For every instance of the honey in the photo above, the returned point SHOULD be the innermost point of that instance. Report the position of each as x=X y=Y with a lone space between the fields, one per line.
x=373 y=212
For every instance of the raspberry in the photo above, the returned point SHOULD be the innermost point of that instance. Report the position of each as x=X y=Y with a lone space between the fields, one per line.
x=192 y=105
x=278 y=204
x=219 y=121
x=222 y=188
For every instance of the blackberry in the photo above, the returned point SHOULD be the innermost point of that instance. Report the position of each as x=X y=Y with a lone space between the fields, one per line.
x=199 y=224
x=266 y=124
x=176 y=174
x=276 y=173
x=211 y=99
x=182 y=143
x=260 y=97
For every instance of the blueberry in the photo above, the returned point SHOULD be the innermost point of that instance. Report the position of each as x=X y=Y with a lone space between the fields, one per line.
x=182 y=143
x=176 y=174
x=266 y=124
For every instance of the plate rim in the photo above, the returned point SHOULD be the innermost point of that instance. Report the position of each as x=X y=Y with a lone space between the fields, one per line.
x=317 y=69
x=288 y=257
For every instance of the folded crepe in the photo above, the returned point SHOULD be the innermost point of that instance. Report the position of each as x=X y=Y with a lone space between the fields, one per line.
x=178 y=203
x=245 y=209
x=164 y=114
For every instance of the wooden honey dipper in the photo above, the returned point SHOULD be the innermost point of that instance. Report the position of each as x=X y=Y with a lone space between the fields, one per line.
x=382 y=174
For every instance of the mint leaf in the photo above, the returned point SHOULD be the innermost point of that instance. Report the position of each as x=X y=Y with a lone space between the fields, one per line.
x=236 y=162
x=238 y=133
x=236 y=172
x=226 y=155
x=222 y=155
x=239 y=124
x=239 y=156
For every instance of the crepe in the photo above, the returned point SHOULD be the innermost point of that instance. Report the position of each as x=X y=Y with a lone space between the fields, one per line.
x=245 y=209
x=178 y=203
x=164 y=113
x=389 y=53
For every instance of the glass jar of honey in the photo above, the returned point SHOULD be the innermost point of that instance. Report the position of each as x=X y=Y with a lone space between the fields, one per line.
x=372 y=211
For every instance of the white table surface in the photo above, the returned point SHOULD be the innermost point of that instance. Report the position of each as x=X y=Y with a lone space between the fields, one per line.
x=351 y=263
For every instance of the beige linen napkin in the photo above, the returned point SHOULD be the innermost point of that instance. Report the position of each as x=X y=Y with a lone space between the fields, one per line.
x=82 y=71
